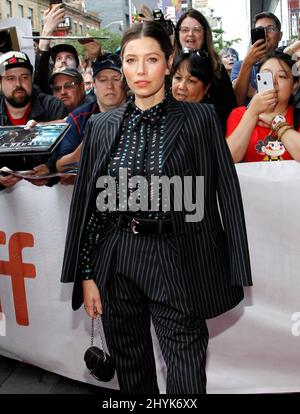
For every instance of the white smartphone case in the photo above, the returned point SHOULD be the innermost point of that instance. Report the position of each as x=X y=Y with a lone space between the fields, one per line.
x=264 y=81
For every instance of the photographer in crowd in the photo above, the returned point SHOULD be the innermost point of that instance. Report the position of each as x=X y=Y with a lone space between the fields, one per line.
x=244 y=72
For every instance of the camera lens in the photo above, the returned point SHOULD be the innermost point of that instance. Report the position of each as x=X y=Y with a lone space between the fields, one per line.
x=258 y=77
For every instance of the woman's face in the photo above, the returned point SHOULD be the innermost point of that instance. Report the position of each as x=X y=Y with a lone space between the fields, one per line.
x=228 y=60
x=191 y=33
x=186 y=87
x=282 y=78
x=145 y=67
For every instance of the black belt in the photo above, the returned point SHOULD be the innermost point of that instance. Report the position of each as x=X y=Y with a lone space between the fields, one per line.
x=143 y=226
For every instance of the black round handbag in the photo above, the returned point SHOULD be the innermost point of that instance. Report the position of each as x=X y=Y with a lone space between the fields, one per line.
x=98 y=362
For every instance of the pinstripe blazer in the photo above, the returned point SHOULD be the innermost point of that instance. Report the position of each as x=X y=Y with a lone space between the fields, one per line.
x=212 y=254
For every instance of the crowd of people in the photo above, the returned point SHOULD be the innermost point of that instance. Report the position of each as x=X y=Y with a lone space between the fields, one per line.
x=156 y=108
x=198 y=74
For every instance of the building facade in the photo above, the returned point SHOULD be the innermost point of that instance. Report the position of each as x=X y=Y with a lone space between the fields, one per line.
x=81 y=21
x=115 y=14
x=294 y=16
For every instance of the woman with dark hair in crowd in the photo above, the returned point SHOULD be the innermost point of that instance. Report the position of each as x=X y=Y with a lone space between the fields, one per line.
x=192 y=75
x=140 y=258
x=266 y=130
x=193 y=32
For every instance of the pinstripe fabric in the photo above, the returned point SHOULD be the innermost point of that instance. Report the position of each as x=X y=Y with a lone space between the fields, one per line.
x=145 y=283
x=212 y=255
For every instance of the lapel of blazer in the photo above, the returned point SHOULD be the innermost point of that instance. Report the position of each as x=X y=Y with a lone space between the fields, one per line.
x=174 y=122
x=111 y=132
x=113 y=125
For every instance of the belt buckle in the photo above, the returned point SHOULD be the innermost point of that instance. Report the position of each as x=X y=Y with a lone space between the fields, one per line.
x=133 y=225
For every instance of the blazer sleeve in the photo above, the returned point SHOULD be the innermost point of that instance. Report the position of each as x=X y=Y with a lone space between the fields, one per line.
x=231 y=206
x=79 y=205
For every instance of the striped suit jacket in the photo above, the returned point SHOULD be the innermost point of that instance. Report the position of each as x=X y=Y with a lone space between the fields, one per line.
x=212 y=254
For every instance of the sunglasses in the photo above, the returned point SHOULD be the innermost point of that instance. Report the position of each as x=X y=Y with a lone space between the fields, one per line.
x=67 y=86
x=115 y=59
x=198 y=52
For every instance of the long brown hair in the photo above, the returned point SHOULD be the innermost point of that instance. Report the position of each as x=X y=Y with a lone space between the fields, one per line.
x=208 y=44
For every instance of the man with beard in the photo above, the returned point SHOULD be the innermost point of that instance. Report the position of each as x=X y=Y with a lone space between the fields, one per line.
x=20 y=102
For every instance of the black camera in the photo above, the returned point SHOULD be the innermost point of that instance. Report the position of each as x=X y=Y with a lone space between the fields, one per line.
x=167 y=25
x=99 y=363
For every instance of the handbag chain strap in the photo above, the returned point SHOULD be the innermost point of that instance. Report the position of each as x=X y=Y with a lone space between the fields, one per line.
x=98 y=320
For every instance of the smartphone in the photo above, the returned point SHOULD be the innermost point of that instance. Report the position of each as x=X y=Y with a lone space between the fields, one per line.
x=54 y=2
x=258 y=33
x=264 y=81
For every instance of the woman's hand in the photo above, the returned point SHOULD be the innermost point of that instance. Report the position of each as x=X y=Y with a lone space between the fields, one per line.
x=91 y=298
x=265 y=120
x=263 y=102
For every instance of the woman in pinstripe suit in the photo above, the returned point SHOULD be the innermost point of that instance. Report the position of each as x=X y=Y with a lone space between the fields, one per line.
x=161 y=263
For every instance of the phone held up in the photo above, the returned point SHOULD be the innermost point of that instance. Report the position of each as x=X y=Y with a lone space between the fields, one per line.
x=264 y=81
x=53 y=3
x=258 y=33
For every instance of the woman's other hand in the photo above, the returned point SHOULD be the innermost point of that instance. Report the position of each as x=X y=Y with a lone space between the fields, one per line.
x=91 y=298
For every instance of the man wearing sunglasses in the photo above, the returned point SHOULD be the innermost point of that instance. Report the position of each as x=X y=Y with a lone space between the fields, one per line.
x=244 y=72
x=67 y=85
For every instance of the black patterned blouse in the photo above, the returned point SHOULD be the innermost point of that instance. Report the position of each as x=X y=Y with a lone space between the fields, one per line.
x=139 y=150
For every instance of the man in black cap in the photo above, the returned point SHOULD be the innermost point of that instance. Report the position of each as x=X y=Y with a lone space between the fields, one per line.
x=67 y=85
x=64 y=55
x=21 y=102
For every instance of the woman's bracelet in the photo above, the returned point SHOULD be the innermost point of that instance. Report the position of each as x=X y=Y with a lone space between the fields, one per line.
x=281 y=125
x=282 y=131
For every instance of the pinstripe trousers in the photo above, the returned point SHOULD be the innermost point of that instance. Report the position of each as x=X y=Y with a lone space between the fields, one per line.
x=145 y=283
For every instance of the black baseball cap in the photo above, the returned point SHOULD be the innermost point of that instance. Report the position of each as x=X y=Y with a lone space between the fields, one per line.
x=72 y=72
x=14 y=59
x=107 y=61
x=55 y=50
